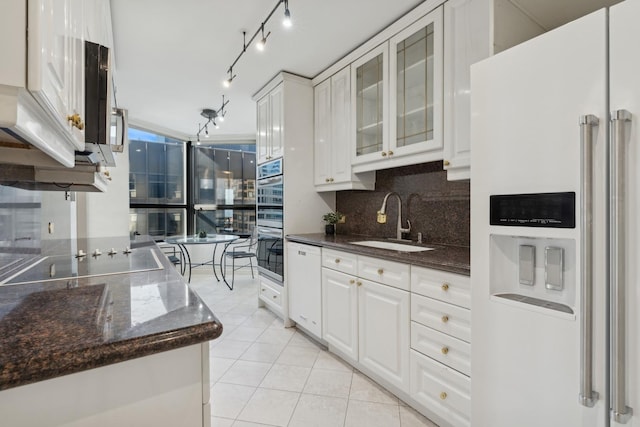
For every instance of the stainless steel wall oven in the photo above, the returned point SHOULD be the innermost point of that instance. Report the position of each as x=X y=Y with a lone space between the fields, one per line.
x=270 y=220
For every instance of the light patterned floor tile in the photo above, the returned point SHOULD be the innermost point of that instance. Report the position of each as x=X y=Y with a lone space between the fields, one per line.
x=298 y=356
x=244 y=372
x=363 y=388
x=301 y=340
x=276 y=336
x=221 y=422
x=262 y=352
x=218 y=366
x=361 y=414
x=286 y=377
x=332 y=362
x=246 y=333
x=227 y=400
x=328 y=383
x=273 y=407
x=319 y=411
x=409 y=417
x=230 y=349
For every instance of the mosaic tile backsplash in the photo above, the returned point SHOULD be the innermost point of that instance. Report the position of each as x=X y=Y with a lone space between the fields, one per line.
x=437 y=208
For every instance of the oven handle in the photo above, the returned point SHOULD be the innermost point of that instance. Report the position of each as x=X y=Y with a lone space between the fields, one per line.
x=270 y=232
x=269 y=182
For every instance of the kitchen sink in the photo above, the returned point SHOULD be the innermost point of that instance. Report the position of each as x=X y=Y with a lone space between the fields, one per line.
x=392 y=246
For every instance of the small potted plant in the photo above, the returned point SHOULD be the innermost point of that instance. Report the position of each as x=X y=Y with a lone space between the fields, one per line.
x=331 y=219
x=202 y=234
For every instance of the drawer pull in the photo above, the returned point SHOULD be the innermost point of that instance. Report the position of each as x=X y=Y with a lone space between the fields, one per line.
x=380 y=271
x=445 y=287
x=326 y=180
x=351 y=282
x=359 y=283
x=384 y=154
x=263 y=289
x=390 y=153
x=443 y=395
x=337 y=260
x=445 y=318
x=275 y=296
x=445 y=350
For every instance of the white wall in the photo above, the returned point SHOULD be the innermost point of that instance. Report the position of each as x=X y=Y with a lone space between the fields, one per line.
x=107 y=214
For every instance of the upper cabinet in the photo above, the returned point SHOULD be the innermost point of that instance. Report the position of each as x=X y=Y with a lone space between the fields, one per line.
x=370 y=112
x=398 y=98
x=42 y=77
x=332 y=136
x=270 y=126
x=55 y=75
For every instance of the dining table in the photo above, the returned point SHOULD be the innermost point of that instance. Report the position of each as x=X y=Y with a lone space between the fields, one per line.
x=212 y=239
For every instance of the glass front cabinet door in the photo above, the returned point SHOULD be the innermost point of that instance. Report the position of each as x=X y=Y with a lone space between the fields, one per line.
x=370 y=101
x=397 y=98
x=416 y=63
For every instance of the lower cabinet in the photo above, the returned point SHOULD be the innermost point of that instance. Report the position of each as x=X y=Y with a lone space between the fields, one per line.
x=368 y=322
x=340 y=312
x=441 y=390
x=383 y=320
x=270 y=294
x=409 y=327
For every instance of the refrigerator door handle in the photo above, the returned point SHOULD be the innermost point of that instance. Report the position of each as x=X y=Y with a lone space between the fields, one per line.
x=587 y=396
x=617 y=220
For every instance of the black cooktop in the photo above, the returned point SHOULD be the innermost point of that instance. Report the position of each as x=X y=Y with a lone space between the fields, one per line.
x=57 y=267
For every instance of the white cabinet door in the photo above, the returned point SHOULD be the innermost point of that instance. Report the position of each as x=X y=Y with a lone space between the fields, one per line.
x=466 y=41
x=383 y=317
x=322 y=133
x=276 y=106
x=415 y=63
x=55 y=33
x=304 y=272
x=370 y=106
x=262 y=139
x=341 y=125
x=340 y=312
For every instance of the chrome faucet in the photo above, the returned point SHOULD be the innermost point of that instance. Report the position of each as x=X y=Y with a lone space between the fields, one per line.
x=382 y=216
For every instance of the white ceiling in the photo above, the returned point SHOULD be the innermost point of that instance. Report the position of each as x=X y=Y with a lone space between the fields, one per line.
x=172 y=56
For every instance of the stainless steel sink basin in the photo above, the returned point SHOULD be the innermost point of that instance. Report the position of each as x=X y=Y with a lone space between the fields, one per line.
x=392 y=246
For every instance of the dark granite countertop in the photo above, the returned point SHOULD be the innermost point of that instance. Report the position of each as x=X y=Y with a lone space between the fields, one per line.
x=454 y=259
x=58 y=327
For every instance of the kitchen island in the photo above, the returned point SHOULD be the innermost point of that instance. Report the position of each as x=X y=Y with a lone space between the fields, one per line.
x=110 y=339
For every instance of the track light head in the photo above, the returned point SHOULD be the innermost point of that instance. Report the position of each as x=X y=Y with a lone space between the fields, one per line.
x=286 y=22
x=206 y=131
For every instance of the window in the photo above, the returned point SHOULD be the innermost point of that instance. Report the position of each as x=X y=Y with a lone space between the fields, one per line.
x=224 y=192
x=223 y=181
x=157 y=185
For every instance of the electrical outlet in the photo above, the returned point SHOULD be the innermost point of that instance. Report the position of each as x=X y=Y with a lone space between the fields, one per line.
x=342 y=219
x=51 y=228
x=382 y=218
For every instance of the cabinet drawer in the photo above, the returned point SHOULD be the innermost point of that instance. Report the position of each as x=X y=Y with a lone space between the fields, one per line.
x=441 y=285
x=447 y=318
x=271 y=293
x=387 y=272
x=340 y=261
x=451 y=351
x=441 y=390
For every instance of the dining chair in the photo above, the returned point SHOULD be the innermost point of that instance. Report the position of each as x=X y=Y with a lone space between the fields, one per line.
x=245 y=250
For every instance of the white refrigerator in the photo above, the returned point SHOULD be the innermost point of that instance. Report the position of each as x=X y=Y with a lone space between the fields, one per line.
x=555 y=206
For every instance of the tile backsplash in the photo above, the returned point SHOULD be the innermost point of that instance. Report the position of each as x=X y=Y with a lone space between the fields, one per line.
x=437 y=208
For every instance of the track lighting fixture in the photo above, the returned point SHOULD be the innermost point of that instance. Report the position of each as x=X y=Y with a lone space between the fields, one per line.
x=227 y=82
x=263 y=41
x=260 y=43
x=211 y=116
x=286 y=22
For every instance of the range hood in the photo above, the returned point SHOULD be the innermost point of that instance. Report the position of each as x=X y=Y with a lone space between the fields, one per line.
x=32 y=169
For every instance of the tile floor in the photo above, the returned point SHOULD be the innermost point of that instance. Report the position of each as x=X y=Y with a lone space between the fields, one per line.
x=263 y=374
